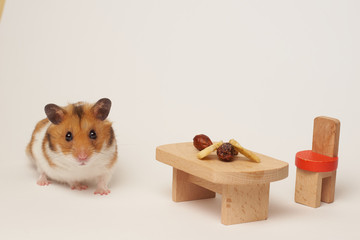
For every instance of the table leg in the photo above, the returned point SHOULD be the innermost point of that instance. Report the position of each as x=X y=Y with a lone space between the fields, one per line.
x=183 y=190
x=244 y=203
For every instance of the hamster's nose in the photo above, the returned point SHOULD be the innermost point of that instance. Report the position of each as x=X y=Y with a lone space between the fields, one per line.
x=83 y=157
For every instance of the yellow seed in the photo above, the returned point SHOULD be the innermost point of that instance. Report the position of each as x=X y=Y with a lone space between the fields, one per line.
x=205 y=152
x=250 y=155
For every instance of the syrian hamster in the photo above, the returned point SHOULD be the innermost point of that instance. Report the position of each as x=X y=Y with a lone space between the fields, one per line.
x=74 y=145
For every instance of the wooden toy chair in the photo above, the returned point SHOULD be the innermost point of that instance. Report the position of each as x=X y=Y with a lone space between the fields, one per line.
x=316 y=168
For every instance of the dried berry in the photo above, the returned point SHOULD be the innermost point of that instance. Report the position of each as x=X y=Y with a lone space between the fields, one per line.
x=201 y=141
x=226 y=152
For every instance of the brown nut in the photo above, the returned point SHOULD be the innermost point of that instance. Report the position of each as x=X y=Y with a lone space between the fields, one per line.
x=201 y=142
x=226 y=152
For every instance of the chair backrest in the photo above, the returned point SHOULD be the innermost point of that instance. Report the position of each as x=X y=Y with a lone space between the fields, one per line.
x=326 y=136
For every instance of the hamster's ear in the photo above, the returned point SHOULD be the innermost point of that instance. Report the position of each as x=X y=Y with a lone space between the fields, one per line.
x=101 y=108
x=54 y=113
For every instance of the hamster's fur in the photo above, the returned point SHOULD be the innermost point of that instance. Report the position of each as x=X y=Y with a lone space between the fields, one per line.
x=75 y=144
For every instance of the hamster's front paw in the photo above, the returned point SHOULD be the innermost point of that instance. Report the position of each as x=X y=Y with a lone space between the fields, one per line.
x=78 y=186
x=102 y=191
x=102 y=187
x=43 y=181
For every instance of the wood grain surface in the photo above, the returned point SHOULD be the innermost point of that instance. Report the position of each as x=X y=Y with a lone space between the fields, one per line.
x=241 y=170
x=2 y=4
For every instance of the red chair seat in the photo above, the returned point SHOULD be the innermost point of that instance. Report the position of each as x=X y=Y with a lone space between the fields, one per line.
x=315 y=162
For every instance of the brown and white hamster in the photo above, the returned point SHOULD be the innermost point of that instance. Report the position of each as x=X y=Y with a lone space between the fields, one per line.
x=75 y=144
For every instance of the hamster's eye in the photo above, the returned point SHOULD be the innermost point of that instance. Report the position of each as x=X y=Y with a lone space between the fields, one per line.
x=92 y=134
x=68 y=136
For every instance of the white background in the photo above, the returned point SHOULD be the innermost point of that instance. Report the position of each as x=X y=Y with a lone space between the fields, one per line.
x=256 y=71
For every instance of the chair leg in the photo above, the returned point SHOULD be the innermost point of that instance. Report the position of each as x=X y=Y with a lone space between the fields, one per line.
x=328 y=187
x=308 y=188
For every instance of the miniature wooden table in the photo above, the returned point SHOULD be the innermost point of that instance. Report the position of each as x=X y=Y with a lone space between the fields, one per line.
x=243 y=184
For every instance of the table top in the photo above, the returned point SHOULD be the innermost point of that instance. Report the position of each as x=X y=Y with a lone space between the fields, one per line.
x=241 y=170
